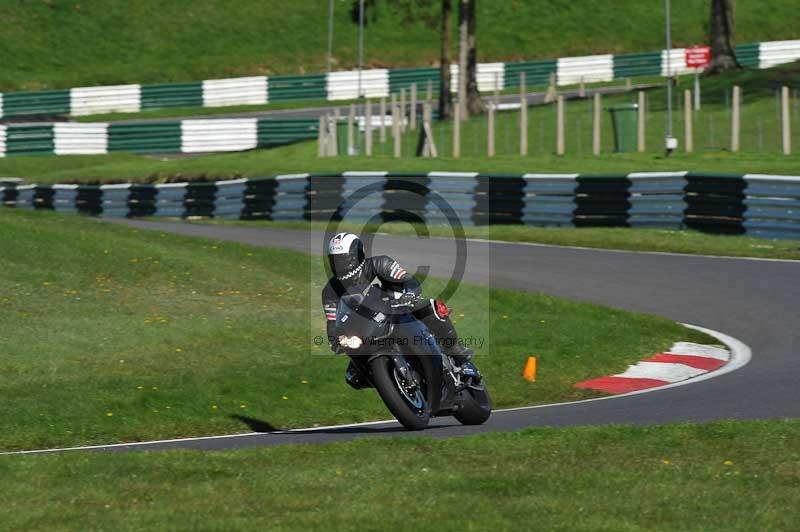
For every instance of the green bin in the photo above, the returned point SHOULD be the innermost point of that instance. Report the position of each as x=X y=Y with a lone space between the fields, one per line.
x=623 y=120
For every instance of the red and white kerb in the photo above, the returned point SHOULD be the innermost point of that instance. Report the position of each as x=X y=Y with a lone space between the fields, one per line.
x=683 y=361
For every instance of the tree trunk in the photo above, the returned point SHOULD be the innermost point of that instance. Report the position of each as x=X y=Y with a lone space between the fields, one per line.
x=463 y=49
x=474 y=102
x=723 y=55
x=445 y=96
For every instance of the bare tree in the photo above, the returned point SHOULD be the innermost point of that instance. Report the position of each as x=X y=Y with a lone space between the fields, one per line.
x=474 y=102
x=445 y=96
x=723 y=55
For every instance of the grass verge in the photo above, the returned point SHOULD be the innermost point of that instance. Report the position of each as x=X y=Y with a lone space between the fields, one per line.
x=111 y=334
x=718 y=476
x=65 y=43
x=628 y=238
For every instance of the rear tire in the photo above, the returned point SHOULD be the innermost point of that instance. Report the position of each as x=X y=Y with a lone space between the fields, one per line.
x=475 y=406
x=383 y=369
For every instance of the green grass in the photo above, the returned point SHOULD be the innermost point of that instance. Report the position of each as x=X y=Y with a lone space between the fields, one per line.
x=302 y=157
x=717 y=476
x=760 y=144
x=111 y=334
x=631 y=239
x=67 y=43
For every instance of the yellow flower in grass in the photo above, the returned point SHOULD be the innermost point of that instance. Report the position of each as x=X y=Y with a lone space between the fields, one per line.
x=285 y=398
x=665 y=461
x=728 y=463
x=178 y=350
x=109 y=414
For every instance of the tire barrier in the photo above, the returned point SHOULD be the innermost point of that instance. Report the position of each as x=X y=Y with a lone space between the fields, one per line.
x=176 y=136
x=759 y=205
x=259 y=90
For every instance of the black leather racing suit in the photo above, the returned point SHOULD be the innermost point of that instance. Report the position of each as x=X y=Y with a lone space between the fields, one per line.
x=392 y=278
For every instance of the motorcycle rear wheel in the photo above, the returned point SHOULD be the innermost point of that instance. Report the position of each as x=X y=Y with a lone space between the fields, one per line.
x=475 y=406
x=386 y=382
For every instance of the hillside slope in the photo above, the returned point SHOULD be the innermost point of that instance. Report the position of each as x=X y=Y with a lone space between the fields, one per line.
x=66 y=43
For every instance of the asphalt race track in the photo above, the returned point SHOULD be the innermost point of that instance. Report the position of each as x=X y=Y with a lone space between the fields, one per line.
x=756 y=301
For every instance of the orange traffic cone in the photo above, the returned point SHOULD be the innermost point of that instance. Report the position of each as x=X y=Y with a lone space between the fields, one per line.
x=529 y=371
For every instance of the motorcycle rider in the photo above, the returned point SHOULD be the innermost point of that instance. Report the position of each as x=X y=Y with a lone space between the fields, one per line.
x=353 y=272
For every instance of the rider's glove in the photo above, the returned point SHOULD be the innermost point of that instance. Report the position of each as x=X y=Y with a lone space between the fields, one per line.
x=335 y=346
x=406 y=299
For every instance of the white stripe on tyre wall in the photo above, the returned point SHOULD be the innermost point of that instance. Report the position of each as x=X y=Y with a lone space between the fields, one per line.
x=106 y=99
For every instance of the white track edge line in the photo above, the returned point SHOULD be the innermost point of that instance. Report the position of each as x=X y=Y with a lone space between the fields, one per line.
x=741 y=354
x=584 y=248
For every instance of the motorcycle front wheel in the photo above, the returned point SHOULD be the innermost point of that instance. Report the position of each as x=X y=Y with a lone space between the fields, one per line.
x=475 y=406
x=407 y=402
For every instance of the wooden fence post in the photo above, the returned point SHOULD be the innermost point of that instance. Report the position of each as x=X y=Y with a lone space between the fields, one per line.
x=560 y=125
x=396 y=131
x=735 y=125
x=523 y=117
x=640 y=123
x=382 y=131
x=490 y=131
x=351 y=116
x=456 y=131
x=321 y=136
x=413 y=106
x=785 y=126
x=687 y=121
x=551 y=88
x=368 y=129
x=402 y=110
x=596 y=124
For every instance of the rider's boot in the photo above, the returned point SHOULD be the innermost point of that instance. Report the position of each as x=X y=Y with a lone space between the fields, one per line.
x=354 y=377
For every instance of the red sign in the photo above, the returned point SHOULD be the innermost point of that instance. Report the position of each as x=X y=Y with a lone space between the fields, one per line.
x=698 y=56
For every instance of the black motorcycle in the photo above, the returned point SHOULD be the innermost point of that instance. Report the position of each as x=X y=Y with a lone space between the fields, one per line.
x=401 y=358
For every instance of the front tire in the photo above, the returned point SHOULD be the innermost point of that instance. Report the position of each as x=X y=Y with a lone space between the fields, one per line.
x=384 y=375
x=475 y=406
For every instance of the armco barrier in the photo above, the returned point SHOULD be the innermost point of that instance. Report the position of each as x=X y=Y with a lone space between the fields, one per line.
x=187 y=136
x=374 y=82
x=759 y=205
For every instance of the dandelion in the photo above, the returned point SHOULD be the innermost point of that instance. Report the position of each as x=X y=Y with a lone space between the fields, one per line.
x=284 y=398
x=45 y=283
x=109 y=414
x=242 y=406
x=304 y=381
x=728 y=463
x=140 y=387
x=178 y=350
x=154 y=388
x=665 y=461
x=505 y=317
x=213 y=407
